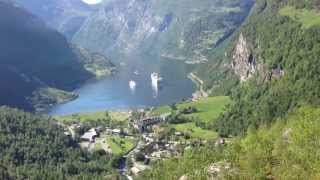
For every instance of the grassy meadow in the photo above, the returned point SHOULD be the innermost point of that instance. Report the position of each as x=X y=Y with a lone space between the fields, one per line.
x=92 y=116
x=307 y=18
x=208 y=108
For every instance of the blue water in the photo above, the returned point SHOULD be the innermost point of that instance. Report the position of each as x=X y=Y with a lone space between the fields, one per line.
x=113 y=93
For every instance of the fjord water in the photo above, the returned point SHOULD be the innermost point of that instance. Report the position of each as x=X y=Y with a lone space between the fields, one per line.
x=114 y=93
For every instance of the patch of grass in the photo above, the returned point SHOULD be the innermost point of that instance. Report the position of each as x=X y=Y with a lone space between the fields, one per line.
x=195 y=132
x=208 y=108
x=120 y=145
x=85 y=117
x=307 y=18
x=161 y=110
x=97 y=147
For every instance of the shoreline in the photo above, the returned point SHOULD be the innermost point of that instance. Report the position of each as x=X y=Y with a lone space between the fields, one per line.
x=44 y=110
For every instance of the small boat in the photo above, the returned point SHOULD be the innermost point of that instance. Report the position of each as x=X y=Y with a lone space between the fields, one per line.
x=136 y=73
x=156 y=79
x=132 y=85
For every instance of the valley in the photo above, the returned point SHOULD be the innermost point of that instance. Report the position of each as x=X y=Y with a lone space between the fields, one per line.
x=159 y=89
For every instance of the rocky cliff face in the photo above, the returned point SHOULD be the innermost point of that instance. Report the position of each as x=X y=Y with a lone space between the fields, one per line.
x=244 y=63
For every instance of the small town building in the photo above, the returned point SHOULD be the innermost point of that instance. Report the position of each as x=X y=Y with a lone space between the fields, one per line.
x=178 y=133
x=116 y=131
x=89 y=136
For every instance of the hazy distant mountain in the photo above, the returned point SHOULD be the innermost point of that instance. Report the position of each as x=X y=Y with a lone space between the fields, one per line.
x=181 y=29
x=66 y=16
x=32 y=56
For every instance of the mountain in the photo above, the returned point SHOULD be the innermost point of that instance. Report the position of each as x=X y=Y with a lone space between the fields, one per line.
x=174 y=29
x=34 y=56
x=66 y=16
x=275 y=58
x=179 y=30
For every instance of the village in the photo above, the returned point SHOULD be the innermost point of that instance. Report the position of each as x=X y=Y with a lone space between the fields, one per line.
x=140 y=138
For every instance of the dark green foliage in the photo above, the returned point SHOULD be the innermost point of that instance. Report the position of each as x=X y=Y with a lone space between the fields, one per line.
x=140 y=157
x=280 y=43
x=33 y=56
x=35 y=147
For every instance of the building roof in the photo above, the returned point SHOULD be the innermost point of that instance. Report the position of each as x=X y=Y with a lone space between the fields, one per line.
x=116 y=130
x=90 y=134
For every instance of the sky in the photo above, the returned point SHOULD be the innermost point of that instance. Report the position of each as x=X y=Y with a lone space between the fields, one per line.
x=92 y=1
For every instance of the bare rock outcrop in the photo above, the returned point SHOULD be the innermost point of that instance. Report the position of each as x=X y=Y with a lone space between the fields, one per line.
x=244 y=63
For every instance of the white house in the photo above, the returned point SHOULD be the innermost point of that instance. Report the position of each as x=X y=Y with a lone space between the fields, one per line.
x=89 y=136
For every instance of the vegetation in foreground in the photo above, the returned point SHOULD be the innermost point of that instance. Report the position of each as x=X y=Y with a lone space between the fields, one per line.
x=289 y=149
x=34 y=147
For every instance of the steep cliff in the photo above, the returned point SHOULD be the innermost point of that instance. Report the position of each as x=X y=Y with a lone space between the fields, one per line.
x=244 y=63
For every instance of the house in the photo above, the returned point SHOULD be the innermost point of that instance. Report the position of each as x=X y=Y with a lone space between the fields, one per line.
x=189 y=110
x=178 y=133
x=89 y=136
x=116 y=131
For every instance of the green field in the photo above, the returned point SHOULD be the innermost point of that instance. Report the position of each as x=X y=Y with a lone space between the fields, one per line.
x=307 y=18
x=120 y=145
x=195 y=132
x=208 y=108
x=84 y=117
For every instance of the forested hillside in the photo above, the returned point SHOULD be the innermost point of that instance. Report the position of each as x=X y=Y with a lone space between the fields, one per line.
x=279 y=69
x=33 y=56
x=34 y=147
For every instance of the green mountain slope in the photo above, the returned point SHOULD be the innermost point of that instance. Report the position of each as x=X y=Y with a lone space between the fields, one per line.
x=276 y=58
x=33 y=56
